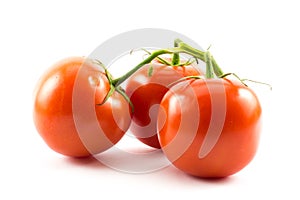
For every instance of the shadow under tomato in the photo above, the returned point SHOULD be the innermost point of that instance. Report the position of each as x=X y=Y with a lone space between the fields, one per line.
x=178 y=176
x=219 y=180
x=89 y=162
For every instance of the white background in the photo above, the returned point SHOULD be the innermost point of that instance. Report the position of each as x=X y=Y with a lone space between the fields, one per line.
x=256 y=39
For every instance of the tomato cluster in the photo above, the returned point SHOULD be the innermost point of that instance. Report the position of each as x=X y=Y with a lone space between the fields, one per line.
x=206 y=124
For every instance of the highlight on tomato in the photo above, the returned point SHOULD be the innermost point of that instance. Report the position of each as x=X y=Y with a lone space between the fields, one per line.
x=66 y=110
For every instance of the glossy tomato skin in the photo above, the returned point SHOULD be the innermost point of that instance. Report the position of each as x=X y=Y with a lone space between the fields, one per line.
x=210 y=128
x=146 y=88
x=65 y=111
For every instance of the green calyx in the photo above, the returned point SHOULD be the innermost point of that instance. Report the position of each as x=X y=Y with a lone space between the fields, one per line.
x=113 y=88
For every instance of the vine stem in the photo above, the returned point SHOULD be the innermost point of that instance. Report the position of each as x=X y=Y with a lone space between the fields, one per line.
x=200 y=55
x=212 y=68
x=118 y=81
x=176 y=57
x=190 y=50
x=218 y=71
x=182 y=48
x=209 y=68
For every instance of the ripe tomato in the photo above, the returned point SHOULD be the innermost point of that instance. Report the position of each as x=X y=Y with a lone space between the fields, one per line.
x=209 y=127
x=65 y=111
x=146 y=88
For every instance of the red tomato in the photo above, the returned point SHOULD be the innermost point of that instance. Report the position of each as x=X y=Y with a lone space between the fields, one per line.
x=209 y=127
x=65 y=111
x=146 y=88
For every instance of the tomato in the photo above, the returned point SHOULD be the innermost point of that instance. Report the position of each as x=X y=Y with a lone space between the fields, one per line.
x=65 y=111
x=209 y=127
x=146 y=87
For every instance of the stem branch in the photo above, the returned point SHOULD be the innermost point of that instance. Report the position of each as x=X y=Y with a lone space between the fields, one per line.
x=118 y=81
x=218 y=71
x=209 y=68
x=176 y=57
